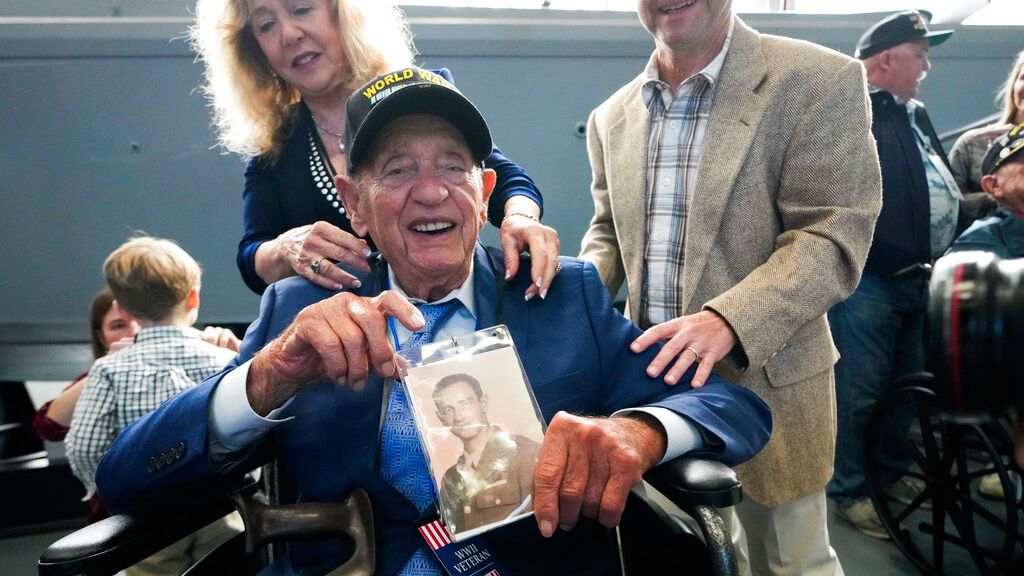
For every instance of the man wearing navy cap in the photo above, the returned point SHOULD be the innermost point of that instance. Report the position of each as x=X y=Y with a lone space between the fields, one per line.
x=1003 y=169
x=879 y=328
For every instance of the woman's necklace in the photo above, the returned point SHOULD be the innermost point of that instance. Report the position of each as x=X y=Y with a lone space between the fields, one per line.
x=339 y=135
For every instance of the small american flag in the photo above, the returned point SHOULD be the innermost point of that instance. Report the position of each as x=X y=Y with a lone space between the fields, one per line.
x=436 y=535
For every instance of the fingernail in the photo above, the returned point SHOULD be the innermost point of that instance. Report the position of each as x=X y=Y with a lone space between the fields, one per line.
x=367 y=251
x=341 y=287
x=356 y=284
x=670 y=380
x=634 y=347
x=543 y=294
x=696 y=383
x=508 y=274
x=529 y=295
x=653 y=371
x=387 y=368
x=417 y=317
x=546 y=529
x=537 y=282
x=565 y=527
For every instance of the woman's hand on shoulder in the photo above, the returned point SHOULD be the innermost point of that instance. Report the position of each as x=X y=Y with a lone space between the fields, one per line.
x=313 y=251
x=521 y=230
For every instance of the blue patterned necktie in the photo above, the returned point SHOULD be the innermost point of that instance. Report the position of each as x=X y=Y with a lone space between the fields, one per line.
x=402 y=463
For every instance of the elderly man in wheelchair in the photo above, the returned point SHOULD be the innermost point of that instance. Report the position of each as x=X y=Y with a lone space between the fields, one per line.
x=313 y=385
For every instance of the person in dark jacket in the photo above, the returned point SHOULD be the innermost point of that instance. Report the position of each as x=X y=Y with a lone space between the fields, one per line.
x=879 y=329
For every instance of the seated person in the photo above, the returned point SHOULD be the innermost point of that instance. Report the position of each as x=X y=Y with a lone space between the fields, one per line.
x=109 y=332
x=1003 y=178
x=154 y=283
x=314 y=383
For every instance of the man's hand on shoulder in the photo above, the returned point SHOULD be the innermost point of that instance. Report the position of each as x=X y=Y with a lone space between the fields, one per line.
x=588 y=465
x=343 y=339
x=704 y=337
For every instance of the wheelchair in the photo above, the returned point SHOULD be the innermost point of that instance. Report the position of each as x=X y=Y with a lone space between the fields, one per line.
x=945 y=530
x=649 y=537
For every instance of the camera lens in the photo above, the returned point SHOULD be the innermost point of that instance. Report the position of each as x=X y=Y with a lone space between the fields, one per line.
x=976 y=325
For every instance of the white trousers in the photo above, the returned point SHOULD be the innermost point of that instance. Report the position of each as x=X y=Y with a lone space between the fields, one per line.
x=788 y=540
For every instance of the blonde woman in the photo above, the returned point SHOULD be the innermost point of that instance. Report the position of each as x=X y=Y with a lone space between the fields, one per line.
x=965 y=157
x=278 y=75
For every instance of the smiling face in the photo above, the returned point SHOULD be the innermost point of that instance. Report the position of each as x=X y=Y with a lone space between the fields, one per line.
x=423 y=200
x=116 y=326
x=686 y=26
x=301 y=40
x=461 y=410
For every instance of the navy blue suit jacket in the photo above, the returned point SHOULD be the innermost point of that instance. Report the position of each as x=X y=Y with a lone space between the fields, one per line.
x=574 y=347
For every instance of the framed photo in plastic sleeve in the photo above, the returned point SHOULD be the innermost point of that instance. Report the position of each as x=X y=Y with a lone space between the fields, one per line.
x=479 y=425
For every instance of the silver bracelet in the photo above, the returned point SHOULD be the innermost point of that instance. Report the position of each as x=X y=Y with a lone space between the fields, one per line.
x=523 y=214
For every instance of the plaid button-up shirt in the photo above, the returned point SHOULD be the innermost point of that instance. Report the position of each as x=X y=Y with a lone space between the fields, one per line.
x=163 y=361
x=678 y=120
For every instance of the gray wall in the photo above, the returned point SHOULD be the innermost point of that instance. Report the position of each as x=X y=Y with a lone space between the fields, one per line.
x=104 y=133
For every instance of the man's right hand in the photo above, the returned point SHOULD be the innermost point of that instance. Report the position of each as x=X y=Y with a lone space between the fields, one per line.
x=343 y=339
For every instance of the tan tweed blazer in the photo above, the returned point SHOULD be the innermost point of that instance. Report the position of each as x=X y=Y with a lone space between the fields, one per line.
x=787 y=193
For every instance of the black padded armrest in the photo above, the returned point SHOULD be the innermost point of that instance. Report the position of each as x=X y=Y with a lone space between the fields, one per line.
x=115 y=543
x=689 y=482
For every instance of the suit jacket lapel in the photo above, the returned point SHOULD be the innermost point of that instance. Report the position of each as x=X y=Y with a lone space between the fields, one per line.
x=629 y=136
x=487 y=282
x=735 y=114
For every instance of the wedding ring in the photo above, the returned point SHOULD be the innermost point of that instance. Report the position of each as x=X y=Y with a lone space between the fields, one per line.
x=695 y=353
x=315 y=266
x=558 y=268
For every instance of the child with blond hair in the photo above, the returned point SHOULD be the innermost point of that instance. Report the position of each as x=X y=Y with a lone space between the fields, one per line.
x=156 y=283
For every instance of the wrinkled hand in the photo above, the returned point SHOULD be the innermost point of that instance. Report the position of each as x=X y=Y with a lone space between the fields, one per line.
x=121 y=344
x=588 y=465
x=706 y=332
x=519 y=233
x=324 y=243
x=221 y=337
x=343 y=339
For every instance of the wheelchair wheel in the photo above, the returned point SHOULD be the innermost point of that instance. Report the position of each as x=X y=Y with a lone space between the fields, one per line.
x=943 y=530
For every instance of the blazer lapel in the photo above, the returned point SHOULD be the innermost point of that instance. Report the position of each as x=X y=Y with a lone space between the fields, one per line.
x=629 y=136
x=487 y=283
x=735 y=114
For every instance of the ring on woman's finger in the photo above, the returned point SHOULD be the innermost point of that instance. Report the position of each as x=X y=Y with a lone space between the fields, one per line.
x=558 y=268
x=695 y=353
x=315 y=266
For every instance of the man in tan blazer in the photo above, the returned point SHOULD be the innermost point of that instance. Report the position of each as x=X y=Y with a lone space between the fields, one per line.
x=736 y=186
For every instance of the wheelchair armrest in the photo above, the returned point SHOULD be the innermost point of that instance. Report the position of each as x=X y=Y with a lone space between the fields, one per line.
x=121 y=540
x=689 y=482
x=699 y=487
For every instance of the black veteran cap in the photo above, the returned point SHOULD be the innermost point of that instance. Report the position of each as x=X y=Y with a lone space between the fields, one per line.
x=895 y=30
x=1003 y=148
x=410 y=91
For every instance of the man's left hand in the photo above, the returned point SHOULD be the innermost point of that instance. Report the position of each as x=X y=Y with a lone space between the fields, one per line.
x=704 y=337
x=588 y=465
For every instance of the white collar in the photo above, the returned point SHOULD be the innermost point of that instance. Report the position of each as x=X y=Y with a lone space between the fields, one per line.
x=463 y=293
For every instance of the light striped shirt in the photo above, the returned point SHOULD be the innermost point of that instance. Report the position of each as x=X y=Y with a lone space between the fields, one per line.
x=121 y=387
x=679 y=118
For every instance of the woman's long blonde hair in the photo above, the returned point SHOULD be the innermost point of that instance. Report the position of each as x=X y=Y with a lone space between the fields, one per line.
x=1004 y=97
x=252 y=106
